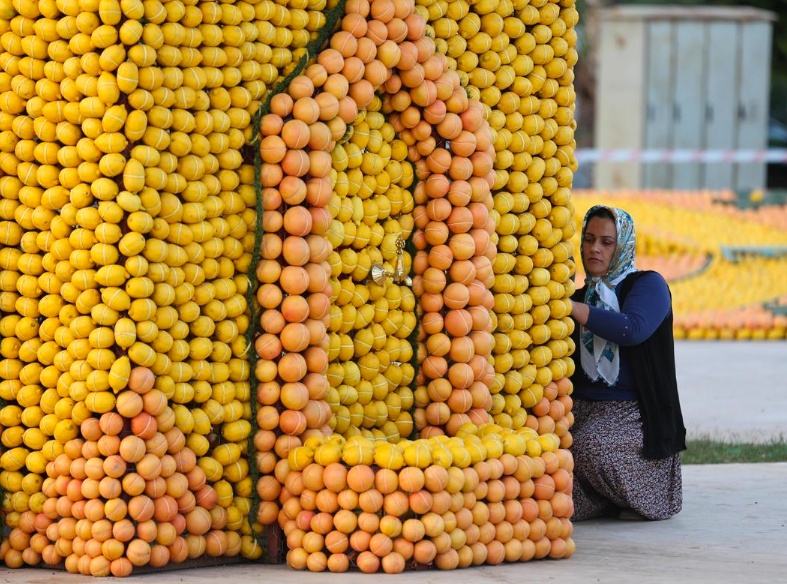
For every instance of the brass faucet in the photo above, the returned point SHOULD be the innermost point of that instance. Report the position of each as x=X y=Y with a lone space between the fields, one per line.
x=380 y=274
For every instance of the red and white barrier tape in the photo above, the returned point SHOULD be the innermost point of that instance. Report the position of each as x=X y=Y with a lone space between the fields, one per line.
x=678 y=156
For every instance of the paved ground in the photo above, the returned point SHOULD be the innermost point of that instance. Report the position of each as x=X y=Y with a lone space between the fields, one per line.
x=731 y=529
x=733 y=389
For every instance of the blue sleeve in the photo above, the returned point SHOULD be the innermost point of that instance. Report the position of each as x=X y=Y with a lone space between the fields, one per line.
x=647 y=304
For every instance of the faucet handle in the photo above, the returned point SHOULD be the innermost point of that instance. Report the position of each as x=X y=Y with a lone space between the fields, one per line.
x=399 y=274
x=379 y=274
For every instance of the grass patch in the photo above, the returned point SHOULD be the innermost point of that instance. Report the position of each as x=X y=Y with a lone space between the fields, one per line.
x=709 y=451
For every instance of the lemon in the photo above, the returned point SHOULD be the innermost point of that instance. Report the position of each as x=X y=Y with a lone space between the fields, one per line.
x=300 y=457
x=326 y=454
x=389 y=456
x=534 y=447
x=418 y=455
x=358 y=452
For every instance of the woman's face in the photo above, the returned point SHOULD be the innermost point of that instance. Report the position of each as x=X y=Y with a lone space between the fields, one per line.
x=599 y=245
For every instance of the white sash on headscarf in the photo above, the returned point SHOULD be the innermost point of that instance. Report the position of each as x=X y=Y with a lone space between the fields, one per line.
x=604 y=362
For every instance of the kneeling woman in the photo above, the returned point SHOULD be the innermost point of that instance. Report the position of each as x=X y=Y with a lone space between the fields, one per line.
x=628 y=430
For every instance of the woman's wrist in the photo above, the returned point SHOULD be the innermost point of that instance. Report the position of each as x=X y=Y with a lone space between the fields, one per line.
x=580 y=312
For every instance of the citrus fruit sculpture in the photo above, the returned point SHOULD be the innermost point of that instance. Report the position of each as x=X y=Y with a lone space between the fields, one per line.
x=297 y=266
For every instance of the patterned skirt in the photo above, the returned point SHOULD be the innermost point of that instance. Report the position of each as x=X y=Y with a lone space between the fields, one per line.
x=610 y=473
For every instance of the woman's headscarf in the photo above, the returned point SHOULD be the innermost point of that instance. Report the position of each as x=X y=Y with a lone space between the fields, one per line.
x=600 y=358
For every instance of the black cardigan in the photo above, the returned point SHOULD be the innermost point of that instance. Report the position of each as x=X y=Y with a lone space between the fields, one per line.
x=653 y=368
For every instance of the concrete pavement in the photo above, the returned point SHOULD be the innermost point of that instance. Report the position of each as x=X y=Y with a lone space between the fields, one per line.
x=731 y=529
x=733 y=389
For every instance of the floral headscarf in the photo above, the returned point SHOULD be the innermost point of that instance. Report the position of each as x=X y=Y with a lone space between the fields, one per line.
x=601 y=358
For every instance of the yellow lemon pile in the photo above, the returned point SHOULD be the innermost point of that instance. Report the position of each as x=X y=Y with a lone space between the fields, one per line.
x=517 y=58
x=127 y=227
x=385 y=102
x=486 y=496
x=133 y=159
x=370 y=371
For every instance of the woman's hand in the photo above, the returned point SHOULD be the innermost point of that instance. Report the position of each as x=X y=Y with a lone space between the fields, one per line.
x=580 y=312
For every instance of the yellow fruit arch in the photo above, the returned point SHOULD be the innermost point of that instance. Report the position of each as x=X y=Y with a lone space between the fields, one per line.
x=363 y=207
